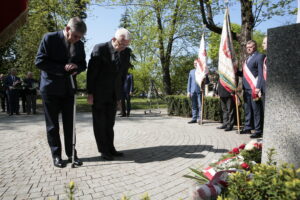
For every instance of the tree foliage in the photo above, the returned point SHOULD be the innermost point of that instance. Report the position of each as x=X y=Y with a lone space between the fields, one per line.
x=43 y=17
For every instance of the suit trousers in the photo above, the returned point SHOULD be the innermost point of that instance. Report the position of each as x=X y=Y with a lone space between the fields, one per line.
x=53 y=105
x=31 y=103
x=103 y=124
x=253 y=112
x=227 y=105
x=126 y=104
x=13 y=101
x=196 y=106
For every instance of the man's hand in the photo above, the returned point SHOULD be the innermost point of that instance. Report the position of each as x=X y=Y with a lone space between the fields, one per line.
x=188 y=94
x=70 y=67
x=257 y=90
x=90 y=99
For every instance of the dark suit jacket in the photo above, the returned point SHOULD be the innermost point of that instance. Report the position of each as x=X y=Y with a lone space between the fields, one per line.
x=255 y=65
x=128 y=84
x=104 y=77
x=52 y=57
x=9 y=82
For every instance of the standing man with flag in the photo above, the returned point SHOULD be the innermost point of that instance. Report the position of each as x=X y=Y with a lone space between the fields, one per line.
x=252 y=85
x=195 y=83
x=227 y=79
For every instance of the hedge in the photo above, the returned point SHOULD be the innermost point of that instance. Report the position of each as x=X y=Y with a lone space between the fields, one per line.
x=179 y=105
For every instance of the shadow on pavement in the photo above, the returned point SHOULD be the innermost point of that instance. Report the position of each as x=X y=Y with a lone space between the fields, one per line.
x=162 y=153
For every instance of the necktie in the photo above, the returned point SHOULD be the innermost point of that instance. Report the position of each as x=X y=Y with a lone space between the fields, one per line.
x=117 y=60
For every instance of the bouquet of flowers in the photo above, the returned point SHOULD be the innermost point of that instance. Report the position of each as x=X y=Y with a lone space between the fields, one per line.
x=239 y=158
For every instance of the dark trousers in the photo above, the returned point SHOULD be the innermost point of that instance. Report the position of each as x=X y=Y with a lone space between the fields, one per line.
x=227 y=105
x=24 y=101
x=3 y=98
x=31 y=103
x=253 y=112
x=103 y=124
x=53 y=105
x=13 y=101
x=126 y=104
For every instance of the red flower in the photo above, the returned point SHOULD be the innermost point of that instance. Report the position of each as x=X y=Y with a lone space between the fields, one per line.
x=258 y=145
x=245 y=166
x=230 y=152
x=236 y=150
x=242 y=146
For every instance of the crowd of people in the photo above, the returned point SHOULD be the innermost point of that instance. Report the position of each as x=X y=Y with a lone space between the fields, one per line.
x=13 y=89
x=254 y=76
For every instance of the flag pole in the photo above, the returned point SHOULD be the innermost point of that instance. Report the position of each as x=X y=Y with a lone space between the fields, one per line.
x=237 y=113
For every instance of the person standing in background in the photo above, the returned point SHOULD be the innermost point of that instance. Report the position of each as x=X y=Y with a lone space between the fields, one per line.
x=127 y=92
x=13 y=84
x=3 y=96
x=31 y=92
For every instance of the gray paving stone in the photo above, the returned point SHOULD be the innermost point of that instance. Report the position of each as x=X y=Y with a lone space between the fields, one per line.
x=158 y=151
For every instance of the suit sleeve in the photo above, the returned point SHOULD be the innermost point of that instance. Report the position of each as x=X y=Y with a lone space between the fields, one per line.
x=81 y=64
x=92 y=72
x=44 y=62
x=260 y=63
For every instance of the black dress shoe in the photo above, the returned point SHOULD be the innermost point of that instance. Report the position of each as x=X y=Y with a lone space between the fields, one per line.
x=107 y=156
x=228 y=129
x=77 y=161
x=192 y=121
x=245 y=132
x=256 y=135
x=117 y=154
x=221 y=127
x=58 y=162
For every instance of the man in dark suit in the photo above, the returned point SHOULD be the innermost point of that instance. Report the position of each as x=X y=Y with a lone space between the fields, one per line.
x=127 y=92
x=60 y=55
x=108 y=64
x=252 y=85
x=13 y=84
x=3 y=96
x=227 y=106
x=30 y=93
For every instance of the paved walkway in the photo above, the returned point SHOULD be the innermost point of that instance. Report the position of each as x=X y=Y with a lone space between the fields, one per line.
x=158 y=151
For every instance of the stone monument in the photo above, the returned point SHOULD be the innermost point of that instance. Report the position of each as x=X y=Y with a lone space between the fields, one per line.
x=282 y=105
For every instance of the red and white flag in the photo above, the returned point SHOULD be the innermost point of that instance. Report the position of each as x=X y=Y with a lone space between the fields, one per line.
x=227 y=65
x=201 y=69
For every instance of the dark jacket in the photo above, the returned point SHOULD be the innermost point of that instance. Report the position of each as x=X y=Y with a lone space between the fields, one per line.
x=9 y=83
x=105 y=75
x=255 y=65
x=52 y=57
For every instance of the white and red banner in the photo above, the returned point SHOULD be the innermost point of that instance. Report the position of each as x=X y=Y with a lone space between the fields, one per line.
x=13 y=14
x=252 y=81
x=227 y=65
x=201 y=69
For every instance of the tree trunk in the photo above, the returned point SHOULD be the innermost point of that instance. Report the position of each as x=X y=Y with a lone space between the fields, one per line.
x=247 y=26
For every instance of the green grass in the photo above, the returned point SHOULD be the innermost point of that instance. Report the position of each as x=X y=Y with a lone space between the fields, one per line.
x=136 y=103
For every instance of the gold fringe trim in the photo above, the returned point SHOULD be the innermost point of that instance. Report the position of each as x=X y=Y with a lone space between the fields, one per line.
x=11 y=29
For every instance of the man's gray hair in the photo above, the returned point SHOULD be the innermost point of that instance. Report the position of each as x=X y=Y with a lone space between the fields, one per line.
x=123 y=32
x=77 y=24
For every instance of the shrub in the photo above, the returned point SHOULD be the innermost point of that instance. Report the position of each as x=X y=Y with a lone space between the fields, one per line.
x=180 y=105
x=264 y=182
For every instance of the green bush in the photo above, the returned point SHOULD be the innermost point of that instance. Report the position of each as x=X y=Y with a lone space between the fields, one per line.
x=264 y=182
x=180 y=105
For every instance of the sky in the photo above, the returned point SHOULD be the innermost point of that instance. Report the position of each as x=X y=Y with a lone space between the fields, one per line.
x=102 y=22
